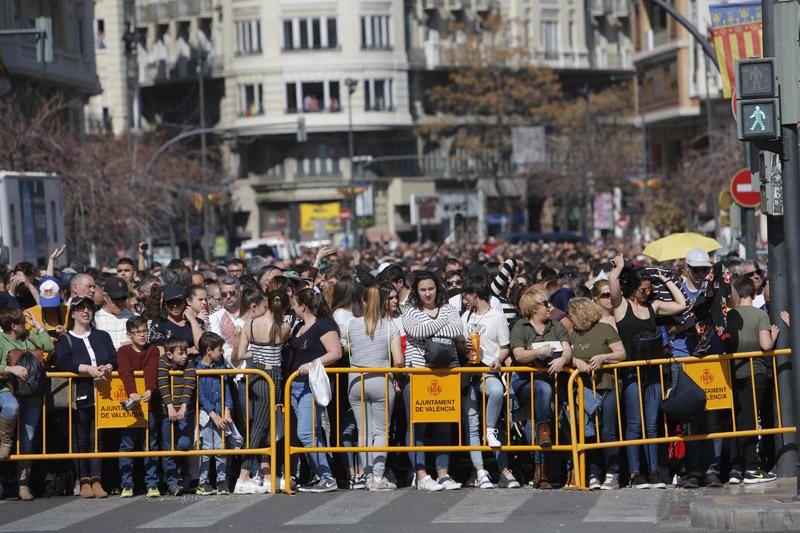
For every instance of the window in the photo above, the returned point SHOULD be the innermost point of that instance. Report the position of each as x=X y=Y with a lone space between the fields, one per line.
x=318 y=33
x=251 y=98
x=378 y=95
x=312 y=97
x=320 y=162
x=375 y=32
x=80 y=38
x=550 y=39
x=100 y=34
x=248 y=37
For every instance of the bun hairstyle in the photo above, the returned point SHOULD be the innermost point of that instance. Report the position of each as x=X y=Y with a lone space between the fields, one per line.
x=278 y=303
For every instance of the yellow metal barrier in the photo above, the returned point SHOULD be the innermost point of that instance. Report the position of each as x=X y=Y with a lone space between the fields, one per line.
x=335 y=373
x=96 y=453
x=580 y=446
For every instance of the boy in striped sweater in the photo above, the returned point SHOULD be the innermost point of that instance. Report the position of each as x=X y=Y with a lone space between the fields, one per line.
x=177 y=399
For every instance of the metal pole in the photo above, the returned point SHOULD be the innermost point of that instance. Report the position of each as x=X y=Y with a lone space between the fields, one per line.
x=791 y=226
x=749 y=213
x=351 y=87
x=785 y=444
x=204 y=175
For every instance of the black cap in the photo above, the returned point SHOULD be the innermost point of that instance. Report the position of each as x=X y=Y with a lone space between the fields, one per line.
x=82 y=301
x=116 y=288
x=173 y=292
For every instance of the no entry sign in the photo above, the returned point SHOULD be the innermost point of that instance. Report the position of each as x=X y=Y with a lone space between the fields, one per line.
x=743 y=191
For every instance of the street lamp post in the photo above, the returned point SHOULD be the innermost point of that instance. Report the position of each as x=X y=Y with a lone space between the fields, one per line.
x=351 y=88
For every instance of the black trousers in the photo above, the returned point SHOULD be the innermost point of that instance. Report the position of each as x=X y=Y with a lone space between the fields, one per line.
x=743 y=449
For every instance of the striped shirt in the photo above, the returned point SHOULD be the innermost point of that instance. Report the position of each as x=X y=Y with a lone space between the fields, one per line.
x=266 y=355
x=499 y=286
x=420 y=327
x=183 y=386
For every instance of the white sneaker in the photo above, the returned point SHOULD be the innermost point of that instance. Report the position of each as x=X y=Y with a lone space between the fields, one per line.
x=611 y=482
x=594 y=483
x=262 y=485
x=448 y=483
x=244 y=487
x=484 y=481
x=491 y=438
x=380 y=484
x=429 y=484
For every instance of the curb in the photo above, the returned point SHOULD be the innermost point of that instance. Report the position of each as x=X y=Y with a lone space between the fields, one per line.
x=751 y=513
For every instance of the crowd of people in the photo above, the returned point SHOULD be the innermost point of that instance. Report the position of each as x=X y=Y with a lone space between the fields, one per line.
x=551 y=307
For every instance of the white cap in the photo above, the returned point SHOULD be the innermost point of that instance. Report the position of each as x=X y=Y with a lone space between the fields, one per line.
x=378 y=271
x=697 y=257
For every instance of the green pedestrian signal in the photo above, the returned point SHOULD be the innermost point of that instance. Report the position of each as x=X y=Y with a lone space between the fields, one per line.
x=758 y=119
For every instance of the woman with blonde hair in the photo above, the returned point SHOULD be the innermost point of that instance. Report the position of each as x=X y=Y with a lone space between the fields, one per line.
x=594 y=344
x=538 y=341
x=373 y=341
x=601 y=295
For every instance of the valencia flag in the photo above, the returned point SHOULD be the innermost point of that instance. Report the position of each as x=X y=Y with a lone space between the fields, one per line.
x=736 y=31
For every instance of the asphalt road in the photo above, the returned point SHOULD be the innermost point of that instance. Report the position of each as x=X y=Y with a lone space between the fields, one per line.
x=401 y=511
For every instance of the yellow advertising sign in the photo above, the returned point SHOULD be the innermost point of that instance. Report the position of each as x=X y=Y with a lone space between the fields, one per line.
x=435 y=398
x=109 y=411
x=714 y=377
x=329 y=212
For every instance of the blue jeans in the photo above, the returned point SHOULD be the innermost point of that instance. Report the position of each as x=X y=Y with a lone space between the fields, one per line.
x=471 y=409
x=9 y=406
x=184 y=434
x=651 y=403
x=607 y=414
x=29 y=417
x=309 y=425
x=211 y=439
x=132 y=438
x=542 y=404
x=425 y=434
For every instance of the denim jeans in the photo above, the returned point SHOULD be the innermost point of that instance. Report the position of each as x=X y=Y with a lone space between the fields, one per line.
x=607 y=414
x=132 y=438
x=471 y=410
x=425 y=434
x=184 y=435
x=211 y=439
x=83 y=435
x=30 y=414
x=542 y=404
x=9 y=406
x=309 y=425
x=651 y=404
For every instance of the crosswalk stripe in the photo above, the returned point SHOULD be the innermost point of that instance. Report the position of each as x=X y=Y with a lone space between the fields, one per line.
x=349 y=508
x=205 y=513
x=484 y=507
x=626 y=506
x=64 y=516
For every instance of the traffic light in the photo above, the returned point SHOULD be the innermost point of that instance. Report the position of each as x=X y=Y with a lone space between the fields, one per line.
x=44 y=40
x=758 y=110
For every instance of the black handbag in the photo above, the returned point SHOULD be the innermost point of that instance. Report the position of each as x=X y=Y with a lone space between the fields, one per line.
x=439 y=354
x=685 y=400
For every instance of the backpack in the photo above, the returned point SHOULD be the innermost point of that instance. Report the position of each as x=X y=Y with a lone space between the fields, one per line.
x=35 y=385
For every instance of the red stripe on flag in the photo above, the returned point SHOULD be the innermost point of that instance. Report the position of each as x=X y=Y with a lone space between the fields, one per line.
x=755 y=31
x=726 y=46
x=742 y=45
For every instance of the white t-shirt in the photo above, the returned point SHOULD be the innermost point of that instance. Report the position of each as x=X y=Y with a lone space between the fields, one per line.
x=457 y=302
x=114 y=325
x=493 y=329
x=342 y=317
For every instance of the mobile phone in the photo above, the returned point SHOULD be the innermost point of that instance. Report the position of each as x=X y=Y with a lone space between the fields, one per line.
x=145 y=246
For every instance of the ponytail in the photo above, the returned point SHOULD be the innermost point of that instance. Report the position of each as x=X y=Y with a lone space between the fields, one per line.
x=278 y=303
x=372 y=310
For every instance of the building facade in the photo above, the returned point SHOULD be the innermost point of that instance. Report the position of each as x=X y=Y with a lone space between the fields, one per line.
x=72 y=71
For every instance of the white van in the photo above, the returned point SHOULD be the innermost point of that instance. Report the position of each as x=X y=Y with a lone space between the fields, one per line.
x=281 y=248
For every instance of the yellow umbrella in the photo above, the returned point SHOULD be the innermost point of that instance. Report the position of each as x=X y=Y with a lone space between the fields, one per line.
x=676 y=246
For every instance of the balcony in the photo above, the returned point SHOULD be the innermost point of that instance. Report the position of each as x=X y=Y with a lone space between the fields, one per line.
x=431 y=5
x=153 y=11
x=455 y=5
x=621 y=8
x=597 y=8
x=68 y=69
x=481 y=5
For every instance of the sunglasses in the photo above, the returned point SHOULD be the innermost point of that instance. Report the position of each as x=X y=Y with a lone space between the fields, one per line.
x=455 y=283
x=753 y=274
x=604 y=295
x=547 y=305
x=644 y=290
x=700 y=270
x=224 y=294
x=176 y=303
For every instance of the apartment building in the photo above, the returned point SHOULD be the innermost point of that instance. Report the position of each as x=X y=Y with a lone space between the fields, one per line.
x=680 y=93
x=72 y=70
x=290 y=80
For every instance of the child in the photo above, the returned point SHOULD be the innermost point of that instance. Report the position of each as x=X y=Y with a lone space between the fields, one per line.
x=215 y=412
x=177 y=394
x=138 y=355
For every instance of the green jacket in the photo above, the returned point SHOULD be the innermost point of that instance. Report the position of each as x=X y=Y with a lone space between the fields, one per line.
x=32 y=341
